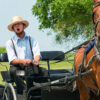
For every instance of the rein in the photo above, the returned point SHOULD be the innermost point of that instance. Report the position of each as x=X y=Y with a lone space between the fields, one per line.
x=73 y=49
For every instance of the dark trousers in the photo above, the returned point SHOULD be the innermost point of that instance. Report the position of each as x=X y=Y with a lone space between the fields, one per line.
x=19 y=80
x=20 y=85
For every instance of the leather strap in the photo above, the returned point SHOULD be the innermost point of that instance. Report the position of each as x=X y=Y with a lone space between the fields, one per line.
x=31 y=46
x=14 y=48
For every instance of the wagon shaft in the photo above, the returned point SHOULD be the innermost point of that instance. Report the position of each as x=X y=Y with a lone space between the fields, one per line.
x=65 y=80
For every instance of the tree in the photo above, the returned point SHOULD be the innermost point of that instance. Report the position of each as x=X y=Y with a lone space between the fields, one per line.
x=66 y=17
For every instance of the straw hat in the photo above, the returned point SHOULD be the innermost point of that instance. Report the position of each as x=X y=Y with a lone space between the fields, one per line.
x=15 y=20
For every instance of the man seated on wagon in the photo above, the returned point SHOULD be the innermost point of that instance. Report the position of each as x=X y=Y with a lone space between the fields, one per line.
x=22 y=49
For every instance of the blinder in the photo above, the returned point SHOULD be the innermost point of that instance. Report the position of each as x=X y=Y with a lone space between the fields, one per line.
x=95 y=25
x=96 y=4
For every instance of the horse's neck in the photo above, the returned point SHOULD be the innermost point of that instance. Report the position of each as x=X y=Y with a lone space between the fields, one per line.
x=90 y=54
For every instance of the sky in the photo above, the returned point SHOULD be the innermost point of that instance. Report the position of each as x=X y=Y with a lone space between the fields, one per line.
x=11 y=8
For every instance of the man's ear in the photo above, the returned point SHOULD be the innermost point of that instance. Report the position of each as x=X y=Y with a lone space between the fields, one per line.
x=13 y=27
x=24 y=25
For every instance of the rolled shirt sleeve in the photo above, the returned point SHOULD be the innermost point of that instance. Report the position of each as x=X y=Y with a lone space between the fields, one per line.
x=10 y=51
x=36 y=49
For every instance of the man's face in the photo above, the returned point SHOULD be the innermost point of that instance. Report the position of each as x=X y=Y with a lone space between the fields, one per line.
x=18 y=28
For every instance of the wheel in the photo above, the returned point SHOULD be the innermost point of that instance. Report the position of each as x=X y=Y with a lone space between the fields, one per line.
x=3 y=57
x=34 y=94
x=9 y=92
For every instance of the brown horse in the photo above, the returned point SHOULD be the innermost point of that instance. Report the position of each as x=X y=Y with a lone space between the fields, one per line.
x=89 y=85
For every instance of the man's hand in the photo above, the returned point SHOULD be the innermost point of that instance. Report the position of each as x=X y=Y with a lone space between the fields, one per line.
x=35 y=62
x=27 y=62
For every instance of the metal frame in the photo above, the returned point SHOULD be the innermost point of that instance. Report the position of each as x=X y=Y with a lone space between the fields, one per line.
x=9 y=85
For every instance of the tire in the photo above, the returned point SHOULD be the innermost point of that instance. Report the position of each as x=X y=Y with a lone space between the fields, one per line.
x=3 y=57
x=9 y=92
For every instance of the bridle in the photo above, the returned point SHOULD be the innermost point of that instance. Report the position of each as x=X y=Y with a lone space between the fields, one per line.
x=96 y=4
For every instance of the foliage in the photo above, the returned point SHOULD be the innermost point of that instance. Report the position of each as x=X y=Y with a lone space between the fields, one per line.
x=66 y=17
x=3 y=50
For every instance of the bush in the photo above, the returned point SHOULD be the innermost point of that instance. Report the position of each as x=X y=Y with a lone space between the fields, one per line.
x=3 y=50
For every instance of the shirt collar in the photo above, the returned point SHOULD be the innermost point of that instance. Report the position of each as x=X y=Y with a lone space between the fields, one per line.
x=16 y=38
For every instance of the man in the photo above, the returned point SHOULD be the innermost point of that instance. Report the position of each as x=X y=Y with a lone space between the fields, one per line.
x=21 y=49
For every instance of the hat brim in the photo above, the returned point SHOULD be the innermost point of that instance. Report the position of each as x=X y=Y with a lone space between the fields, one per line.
x=10 y=26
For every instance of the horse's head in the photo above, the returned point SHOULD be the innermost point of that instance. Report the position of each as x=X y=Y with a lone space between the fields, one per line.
x=96 y=17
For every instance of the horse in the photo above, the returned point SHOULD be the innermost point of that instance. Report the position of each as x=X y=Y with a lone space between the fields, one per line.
x=89 y=85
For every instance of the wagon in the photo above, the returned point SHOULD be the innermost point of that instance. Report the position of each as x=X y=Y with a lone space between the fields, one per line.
x=58 y=84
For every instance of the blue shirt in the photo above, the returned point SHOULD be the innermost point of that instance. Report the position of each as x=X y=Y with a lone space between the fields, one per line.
x=22 y=47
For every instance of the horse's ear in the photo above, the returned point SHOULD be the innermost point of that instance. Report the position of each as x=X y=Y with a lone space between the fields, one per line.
x=96 y=0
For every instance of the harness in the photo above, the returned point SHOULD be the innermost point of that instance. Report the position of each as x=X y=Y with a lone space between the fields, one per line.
x=83 y=67
x=89 y=47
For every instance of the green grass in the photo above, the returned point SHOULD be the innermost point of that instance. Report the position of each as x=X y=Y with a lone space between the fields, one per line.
x=3 y=50
x=60 y=65
x=3 y=68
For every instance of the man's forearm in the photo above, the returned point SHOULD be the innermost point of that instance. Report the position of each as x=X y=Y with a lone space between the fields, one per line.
x=17 y=61
x=37 y=58
x=25 y=62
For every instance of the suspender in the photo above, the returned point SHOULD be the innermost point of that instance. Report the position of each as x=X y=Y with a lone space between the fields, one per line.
x=30 y=47
x=14 y=48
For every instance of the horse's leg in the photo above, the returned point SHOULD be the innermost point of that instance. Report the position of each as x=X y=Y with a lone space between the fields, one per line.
x=84 y=92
